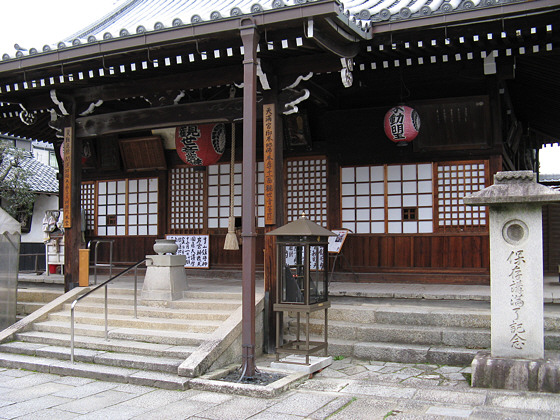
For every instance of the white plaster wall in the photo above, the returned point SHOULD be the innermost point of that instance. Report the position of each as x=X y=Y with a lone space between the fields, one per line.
x=44 y=202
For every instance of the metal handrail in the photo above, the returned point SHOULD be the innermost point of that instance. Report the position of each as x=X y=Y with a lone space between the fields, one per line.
x=97 y=242
x=126 y=270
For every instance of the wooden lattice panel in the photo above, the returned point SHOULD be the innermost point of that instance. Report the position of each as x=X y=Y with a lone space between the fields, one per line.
x=387 y=198
x=142 y=206
x=111 y=208
x=219 y=194
x=307 y=189
x=186 y=200
x=454 y=180
x=88 y=204
x=410 y=198
x=127 y=207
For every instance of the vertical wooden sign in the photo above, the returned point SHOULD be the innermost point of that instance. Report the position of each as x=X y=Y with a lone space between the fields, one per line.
x=269 y=164
x=67 y=204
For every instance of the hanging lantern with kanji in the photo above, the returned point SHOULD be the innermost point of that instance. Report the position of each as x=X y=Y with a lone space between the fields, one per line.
x=200 y=144
x=402 y=124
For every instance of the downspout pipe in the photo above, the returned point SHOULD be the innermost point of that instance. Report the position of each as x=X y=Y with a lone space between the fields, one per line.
x=250 y=38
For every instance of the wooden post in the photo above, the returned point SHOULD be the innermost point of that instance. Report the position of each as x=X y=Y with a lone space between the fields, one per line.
x=71 y=205
x=250 y=37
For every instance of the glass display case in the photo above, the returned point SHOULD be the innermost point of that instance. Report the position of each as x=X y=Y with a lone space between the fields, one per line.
x=302 y=283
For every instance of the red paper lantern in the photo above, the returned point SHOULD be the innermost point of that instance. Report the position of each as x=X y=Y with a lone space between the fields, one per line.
x=402 y=124
x=200 y=144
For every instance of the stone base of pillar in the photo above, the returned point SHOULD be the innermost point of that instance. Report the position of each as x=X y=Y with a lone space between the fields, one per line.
x=541 y=375
x=165 y=278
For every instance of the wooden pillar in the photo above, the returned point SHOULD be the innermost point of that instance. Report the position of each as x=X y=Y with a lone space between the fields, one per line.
x=250 y=38
x=270 y=268
x=72 y=221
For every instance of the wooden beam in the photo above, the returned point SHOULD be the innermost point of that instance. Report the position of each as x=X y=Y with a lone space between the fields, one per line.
x=144 y=87
x=225 y=110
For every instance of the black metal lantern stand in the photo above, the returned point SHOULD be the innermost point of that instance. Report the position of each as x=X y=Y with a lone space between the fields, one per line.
x=302 y=282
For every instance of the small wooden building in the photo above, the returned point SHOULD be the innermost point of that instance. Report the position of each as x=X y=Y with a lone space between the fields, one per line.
x=308 y=106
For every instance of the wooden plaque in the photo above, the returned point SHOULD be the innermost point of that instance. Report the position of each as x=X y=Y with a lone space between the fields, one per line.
x=269 y=164
x=68 y=158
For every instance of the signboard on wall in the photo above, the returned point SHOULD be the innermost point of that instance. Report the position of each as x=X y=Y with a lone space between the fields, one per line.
x=195 y=248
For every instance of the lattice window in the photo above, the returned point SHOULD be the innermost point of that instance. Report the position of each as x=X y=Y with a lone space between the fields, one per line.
x=363 y=199
x=219 y=194
x=454 y=180
x=111 y=208
x=143 y=206
x=88 y=204
x=186 y=200
x=387 y=198
x=409 y=191
x=127 y=207
x=306 y=181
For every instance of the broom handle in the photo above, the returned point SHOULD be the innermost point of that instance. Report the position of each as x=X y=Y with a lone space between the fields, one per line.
x=232 y=171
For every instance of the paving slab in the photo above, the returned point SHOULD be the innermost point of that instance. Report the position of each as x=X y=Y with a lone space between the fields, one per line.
x=155 y=399
x=49 y=414
x=236 y=409
x=449 y=412
x=177 y=410
x=95 y=402
x=85 y=390
x=301 y=404
x=13 y=411
x=34 y=391
x=444 y=396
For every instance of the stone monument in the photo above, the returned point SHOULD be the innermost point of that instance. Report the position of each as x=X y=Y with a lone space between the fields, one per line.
x=165 y=278
x=517 y=359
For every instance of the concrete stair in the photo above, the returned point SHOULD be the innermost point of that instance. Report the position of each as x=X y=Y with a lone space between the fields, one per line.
x=185 y=336
x=448 y=332
x=29 y=299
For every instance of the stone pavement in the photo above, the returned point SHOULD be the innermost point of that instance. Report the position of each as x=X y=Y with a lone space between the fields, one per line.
x=348 y=389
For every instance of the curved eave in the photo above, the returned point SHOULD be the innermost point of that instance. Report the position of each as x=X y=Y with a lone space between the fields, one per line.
x=463 y=16
x=181 y=34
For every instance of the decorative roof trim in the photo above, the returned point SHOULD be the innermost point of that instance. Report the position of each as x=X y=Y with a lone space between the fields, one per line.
x=500 y=11
x=148 y=39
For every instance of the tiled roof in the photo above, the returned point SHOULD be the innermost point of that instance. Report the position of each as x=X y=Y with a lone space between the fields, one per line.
x=143 y=16
x=43 y=177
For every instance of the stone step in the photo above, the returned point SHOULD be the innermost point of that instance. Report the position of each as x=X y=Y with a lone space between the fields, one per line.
x=38 y=338
x=400 y=353
x=198 y=294
x=147 y=323
x=128 y=290
x=157 y=363
x=395 y=333
x=153 y=312
x=37 y=295
x=474 y=314
x=94 y=371
x=126 y=299
x=126 y=333
x=420 y=315
x=414 y=334
x=26 y=308
x=411 y=353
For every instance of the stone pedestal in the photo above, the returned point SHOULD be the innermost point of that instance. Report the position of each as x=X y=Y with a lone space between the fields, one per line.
x=517 y=374
x=165 y=278
x=516 y=283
